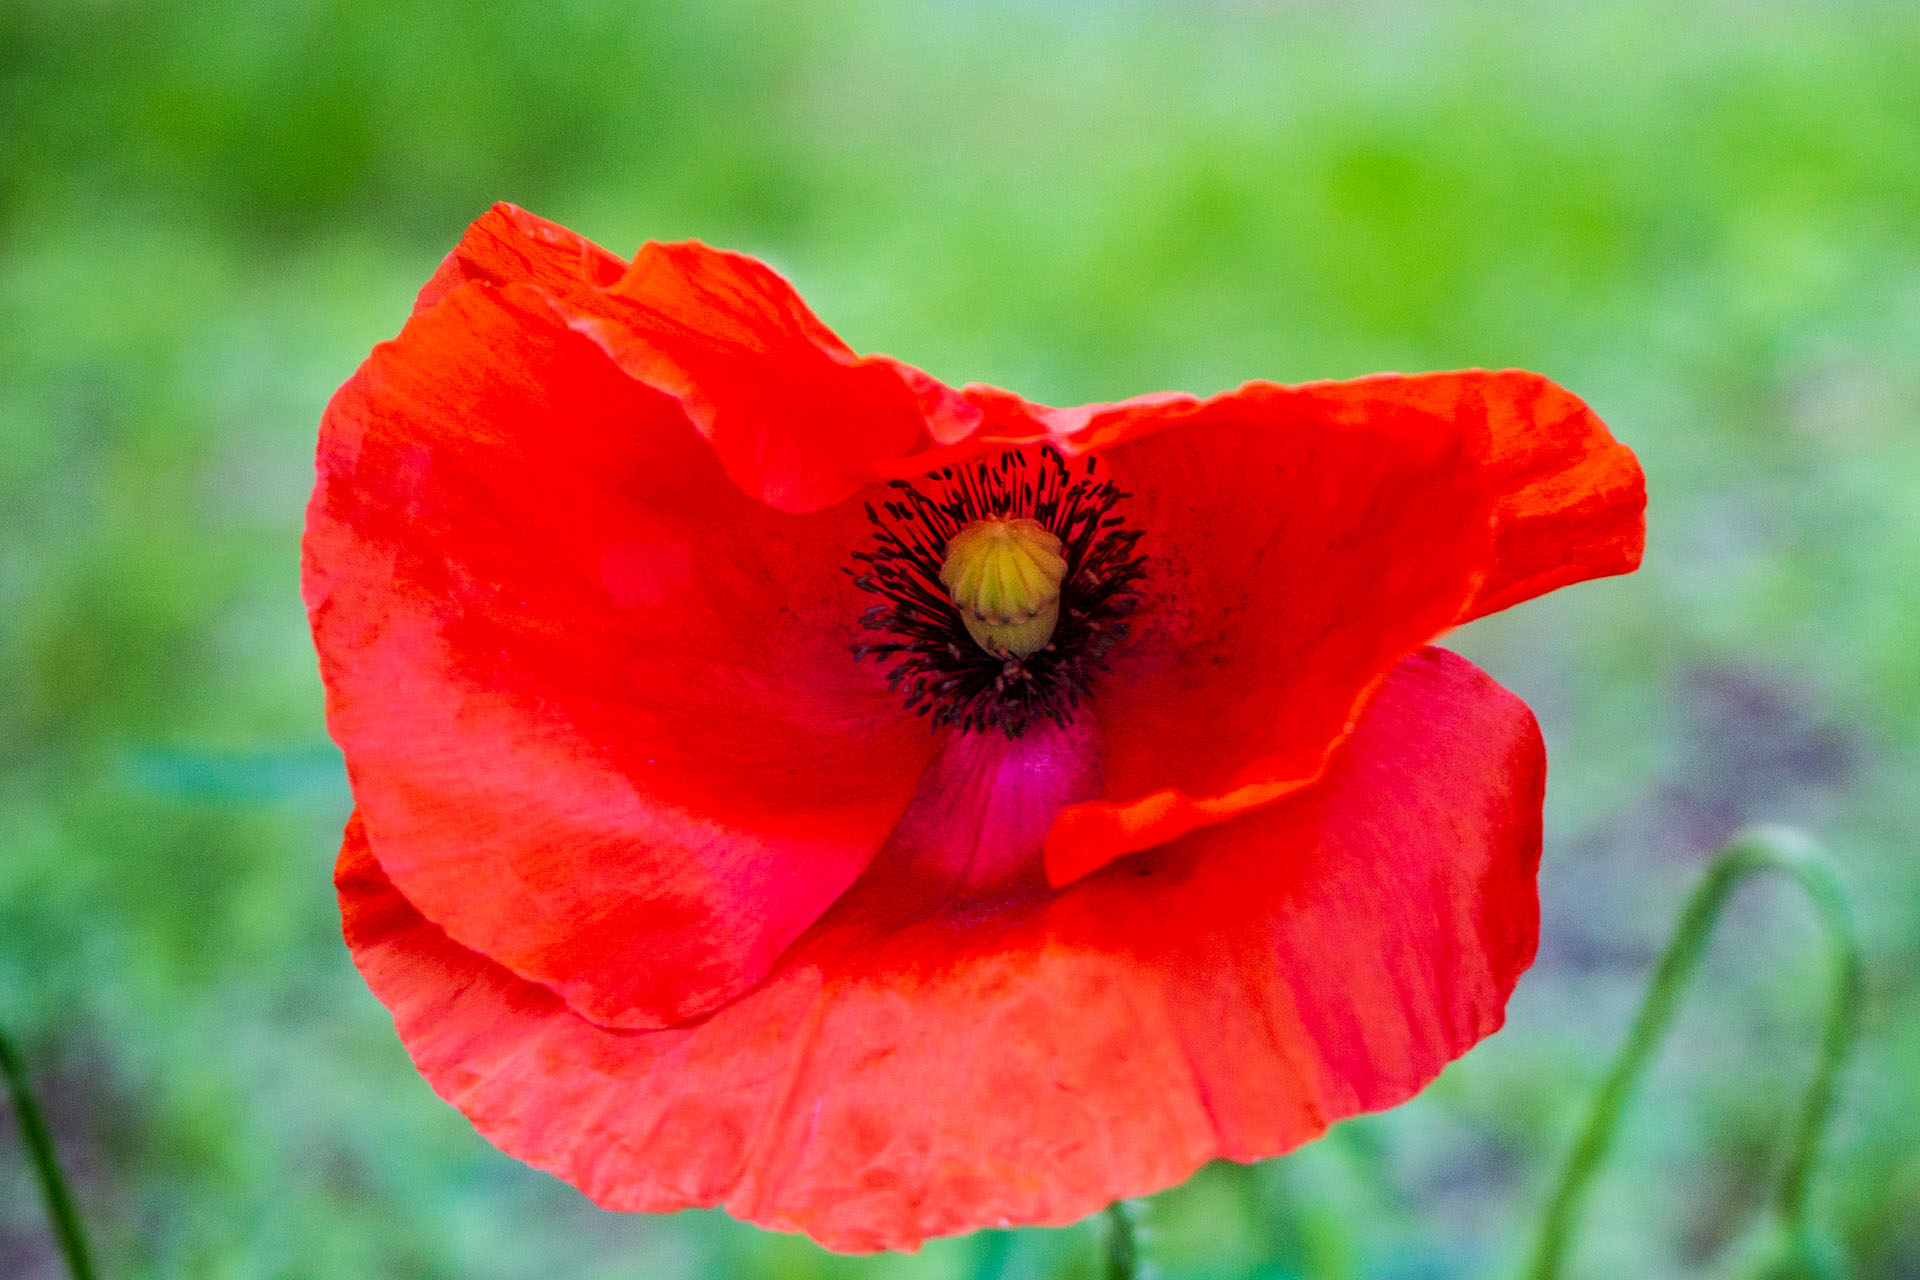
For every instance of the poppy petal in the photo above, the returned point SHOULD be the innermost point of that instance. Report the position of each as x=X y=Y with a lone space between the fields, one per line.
x=905 y=1073
x=1570 y=501
x=1564 y=502
x=978 y=821
x=597 y=704
x=508 y=245
x=799 y=420
x=1296 y=551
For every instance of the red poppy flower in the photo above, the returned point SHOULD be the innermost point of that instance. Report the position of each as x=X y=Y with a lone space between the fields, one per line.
x=636 y=593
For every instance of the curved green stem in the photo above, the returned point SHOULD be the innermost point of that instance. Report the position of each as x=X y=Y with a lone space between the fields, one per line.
x=1123 y=1248
x=1781 y=852
x=39 y=1143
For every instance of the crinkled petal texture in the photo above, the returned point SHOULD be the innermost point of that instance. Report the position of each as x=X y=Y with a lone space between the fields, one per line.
x=917 y=1064
x=795 y=416
x=1294 y=559
x=1568 y=500
x=1303 y=540
x=596 y=701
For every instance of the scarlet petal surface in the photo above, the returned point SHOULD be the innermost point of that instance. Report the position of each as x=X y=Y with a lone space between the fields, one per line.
x=1300 y=541
x=1295 y=554
x=596 y=702
x=798 y=419
x=1569 y=500
x=909 y=1071
x=508 y=245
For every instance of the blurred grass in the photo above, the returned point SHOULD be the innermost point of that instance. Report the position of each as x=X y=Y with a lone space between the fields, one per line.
x=1705 y=219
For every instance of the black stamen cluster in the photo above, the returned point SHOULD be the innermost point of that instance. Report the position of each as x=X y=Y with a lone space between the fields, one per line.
x=929 y=655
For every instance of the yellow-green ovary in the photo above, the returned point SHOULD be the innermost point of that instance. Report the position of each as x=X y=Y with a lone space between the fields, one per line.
x=1004 y=576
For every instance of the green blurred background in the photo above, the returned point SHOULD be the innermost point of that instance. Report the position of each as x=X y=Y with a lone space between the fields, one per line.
x=1705 y=219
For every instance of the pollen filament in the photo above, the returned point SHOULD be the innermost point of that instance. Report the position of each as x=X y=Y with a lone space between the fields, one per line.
x=1004 y=576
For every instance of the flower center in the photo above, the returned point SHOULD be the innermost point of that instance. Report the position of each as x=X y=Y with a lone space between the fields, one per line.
x=1004 y=576
x=1003 y=585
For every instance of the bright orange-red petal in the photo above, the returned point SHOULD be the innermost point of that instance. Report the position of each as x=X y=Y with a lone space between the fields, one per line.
x=909 y=1070
x=798 y=419
x=597 y=704
x=1254 y=654
x=508 y=245
x=1570 y=502
x=1295 y=553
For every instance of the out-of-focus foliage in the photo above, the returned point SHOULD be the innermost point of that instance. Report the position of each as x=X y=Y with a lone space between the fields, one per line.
x=1705 y=218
